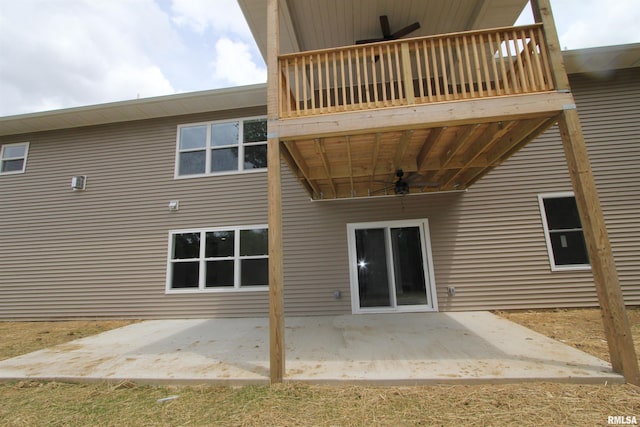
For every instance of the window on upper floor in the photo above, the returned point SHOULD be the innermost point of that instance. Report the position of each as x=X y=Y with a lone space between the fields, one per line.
x=221 y=147
x=218 y=259
x=563 y=232
x=13 y=158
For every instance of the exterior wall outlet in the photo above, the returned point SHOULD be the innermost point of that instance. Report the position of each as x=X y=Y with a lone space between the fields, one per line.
x=451 y=290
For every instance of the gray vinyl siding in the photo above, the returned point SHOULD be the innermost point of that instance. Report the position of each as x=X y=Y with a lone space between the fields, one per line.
x=103 y=252
x=489 y=242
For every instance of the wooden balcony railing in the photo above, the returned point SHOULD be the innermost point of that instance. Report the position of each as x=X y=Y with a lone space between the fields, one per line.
x=474 y=64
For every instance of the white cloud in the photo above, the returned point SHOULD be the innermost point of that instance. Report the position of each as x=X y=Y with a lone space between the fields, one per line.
x=590 y=23
x=220 y=16
x=64 y=53
x=59 y=54
x=234 y=65
x=224 y=52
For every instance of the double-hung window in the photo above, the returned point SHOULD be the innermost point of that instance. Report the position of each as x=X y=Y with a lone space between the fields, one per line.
x=13 y=158
x=563 y=232
x=218 y=259
x=221 y=147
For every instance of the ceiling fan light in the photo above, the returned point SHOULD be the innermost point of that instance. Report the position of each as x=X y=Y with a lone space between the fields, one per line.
x=401 y=187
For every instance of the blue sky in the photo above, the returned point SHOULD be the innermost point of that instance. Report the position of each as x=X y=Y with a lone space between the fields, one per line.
x=67 y=53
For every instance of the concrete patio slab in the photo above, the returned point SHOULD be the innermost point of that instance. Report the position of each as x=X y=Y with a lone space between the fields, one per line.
x=417 y=348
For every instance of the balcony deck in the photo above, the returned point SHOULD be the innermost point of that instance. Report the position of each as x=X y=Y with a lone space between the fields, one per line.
x=445 y=109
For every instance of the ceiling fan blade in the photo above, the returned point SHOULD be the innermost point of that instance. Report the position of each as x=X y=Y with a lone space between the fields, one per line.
x=384 y=190
x=430 y=184
x=367 y=41
x=406 y=30
x=384 y=24
x=412 y=176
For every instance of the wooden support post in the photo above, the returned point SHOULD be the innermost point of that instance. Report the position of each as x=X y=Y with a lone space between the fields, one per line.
x=605 y=276
x=616 y=323
x=276 y=276
x=542 y=14
x=276 y=273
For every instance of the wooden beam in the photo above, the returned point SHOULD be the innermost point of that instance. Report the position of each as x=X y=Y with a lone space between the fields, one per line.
x=529 y=138
x=493 y=133
x=274 y=208
x=459 y=143
x=605 y=276
x=401 y=149
x=542 y=14
x=428 y=147
x=296 y=163
x=319 y=144
x=348 y=144
x=522 y=133
x=343 y=171
x=439 y=167
x=614 y=316
x=276 y=274
x=452 y=113
x=374 y=158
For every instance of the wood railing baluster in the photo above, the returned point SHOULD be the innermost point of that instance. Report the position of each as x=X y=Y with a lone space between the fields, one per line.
x=536 y=61
x=419 y=63
x=398 y=79
x=383 y=76
x=467 y=63
x=524 y=84
x=549 y=83
x=475 y=64
x=351 y=88
x=512 y=73
x=358 y=80
x=374 y=77
x=452 y=70
x=436 y=72
x=392 y=79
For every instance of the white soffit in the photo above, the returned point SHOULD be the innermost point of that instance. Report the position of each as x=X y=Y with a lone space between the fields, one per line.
x=312 y=24
x=600 y=60
x=138 y=109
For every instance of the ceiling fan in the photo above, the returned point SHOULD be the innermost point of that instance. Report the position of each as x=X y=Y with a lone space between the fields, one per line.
x=387 y=34
x=402 y=186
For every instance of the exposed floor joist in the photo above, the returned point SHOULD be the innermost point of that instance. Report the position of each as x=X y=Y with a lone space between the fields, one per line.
x=441 y=158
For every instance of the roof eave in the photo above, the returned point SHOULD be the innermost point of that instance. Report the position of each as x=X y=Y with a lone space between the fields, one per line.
x=137 y=109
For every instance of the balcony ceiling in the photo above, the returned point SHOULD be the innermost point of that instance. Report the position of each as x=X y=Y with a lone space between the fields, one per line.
x=433 y=159
x=312 y=24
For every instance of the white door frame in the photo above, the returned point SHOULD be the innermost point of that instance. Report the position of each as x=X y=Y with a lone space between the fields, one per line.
x=427 y=259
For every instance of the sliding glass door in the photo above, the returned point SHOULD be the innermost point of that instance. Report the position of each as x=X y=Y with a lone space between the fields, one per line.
x=391 y=267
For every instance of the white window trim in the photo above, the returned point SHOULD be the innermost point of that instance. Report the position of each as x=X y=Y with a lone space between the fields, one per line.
x=547 y=234
x=202 y=260
x=24 y=158
x=208 y=148
x=427 y=258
